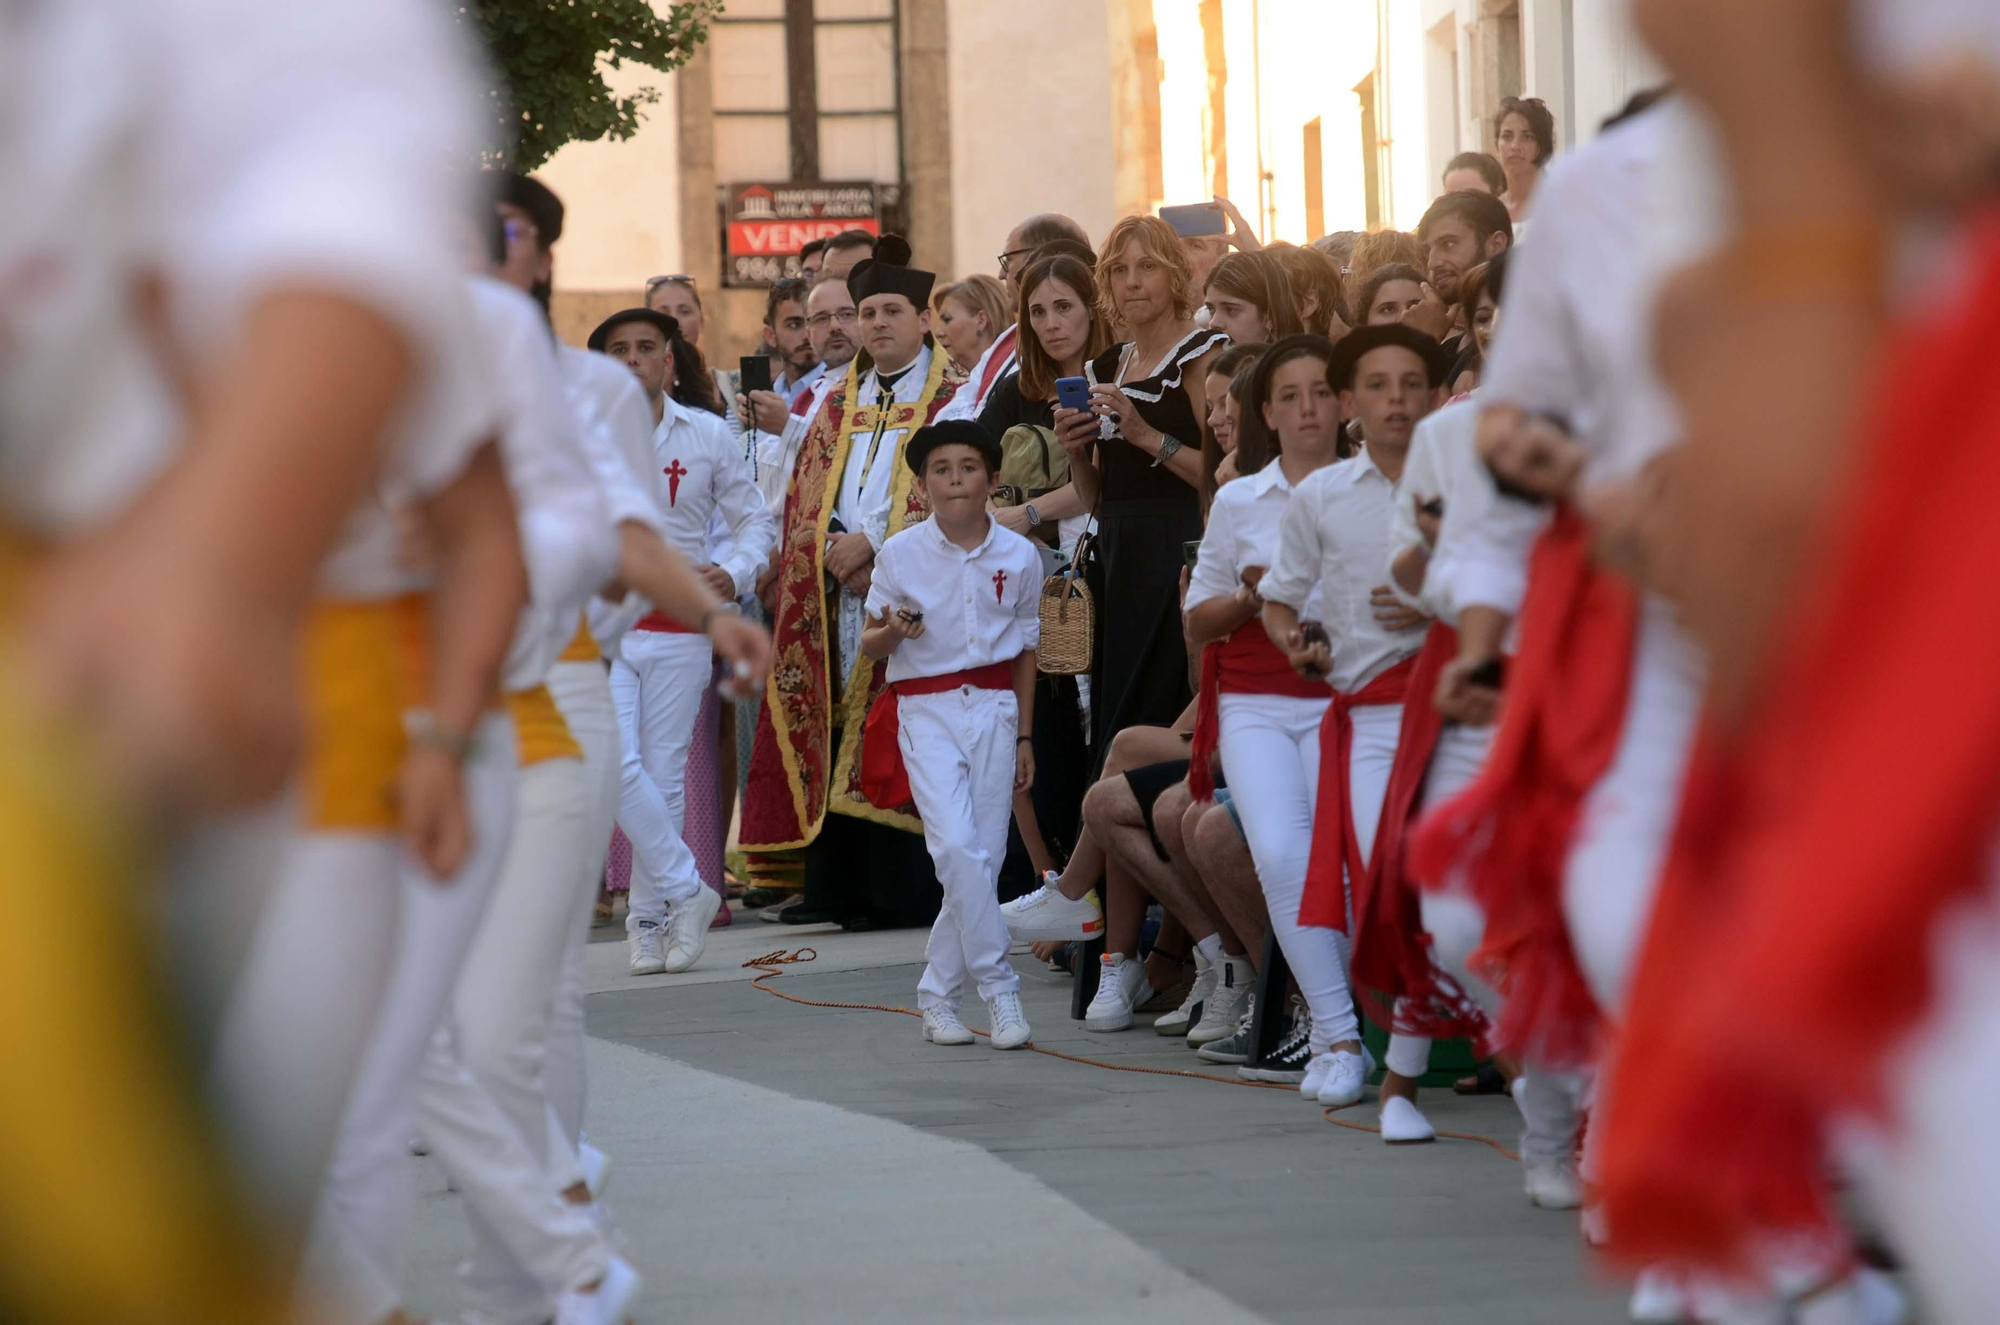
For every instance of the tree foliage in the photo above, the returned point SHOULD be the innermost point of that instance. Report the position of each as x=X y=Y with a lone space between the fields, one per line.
x=549 y=58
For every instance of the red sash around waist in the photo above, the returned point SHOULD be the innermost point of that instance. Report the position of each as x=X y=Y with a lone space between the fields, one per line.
x=884 y=780
x=664 y=624
x=1246 y=663
x=1395 y=974
x=1334 y=841
x=1510 y=830
x=1793 y=946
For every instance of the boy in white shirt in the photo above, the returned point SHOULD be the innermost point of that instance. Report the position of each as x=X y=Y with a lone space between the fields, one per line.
x=954 y=607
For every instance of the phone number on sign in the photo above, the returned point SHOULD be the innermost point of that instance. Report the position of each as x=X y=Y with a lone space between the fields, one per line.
x=748 y=270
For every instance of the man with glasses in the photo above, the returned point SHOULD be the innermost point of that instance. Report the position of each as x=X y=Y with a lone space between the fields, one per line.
x=831 y=329
x=999 y=360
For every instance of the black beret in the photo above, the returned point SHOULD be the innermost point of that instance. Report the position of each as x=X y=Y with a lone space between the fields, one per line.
x=533 y=197
x=951 y=432
x=871 y=277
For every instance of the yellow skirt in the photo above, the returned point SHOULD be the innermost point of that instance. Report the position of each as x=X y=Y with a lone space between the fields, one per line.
x=116 y=1205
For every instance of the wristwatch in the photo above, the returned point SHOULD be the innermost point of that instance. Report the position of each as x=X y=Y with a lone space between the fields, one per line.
x=1168 y=445
x=1034 y=516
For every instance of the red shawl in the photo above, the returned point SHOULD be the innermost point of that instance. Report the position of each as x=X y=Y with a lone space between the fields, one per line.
x=1816 y=855
x=1334 y=842
x=1510 y=830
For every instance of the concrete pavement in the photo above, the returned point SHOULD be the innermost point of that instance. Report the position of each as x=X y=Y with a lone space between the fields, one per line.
x=796 y=1163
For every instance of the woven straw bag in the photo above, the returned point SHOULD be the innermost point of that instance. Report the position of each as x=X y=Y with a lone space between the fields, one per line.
x=1069 y=619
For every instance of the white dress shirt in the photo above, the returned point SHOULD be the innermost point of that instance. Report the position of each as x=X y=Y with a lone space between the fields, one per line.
x=1444 y=463
x=863 y=503
x=234 y=148
x=1242 y=532
x=787 y=388
x=979 y=607
x=618 y=423
x=1335 y=535
x=702 y=473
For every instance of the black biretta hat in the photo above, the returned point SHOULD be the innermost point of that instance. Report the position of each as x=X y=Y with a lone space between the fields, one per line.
x=668 y=326
x=533 y=197
x=871 y=276
x=1348 y=352
x=951 y=432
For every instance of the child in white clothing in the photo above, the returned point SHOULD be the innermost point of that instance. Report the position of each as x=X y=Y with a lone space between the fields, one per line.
x=954 y=607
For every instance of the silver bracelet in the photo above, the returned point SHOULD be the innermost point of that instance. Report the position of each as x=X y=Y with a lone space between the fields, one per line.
x=1168 y=445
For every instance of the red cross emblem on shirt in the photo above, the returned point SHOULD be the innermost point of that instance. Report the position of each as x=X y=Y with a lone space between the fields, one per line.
x=999 y=586
x=675 y=473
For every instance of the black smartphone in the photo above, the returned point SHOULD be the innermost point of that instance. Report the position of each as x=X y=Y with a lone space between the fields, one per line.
x=753 y=373
x=1491 y=674
x=1433 y=508
x=1196 y=219
x=913 y=618
x=1191 y=553
x=1310 y=633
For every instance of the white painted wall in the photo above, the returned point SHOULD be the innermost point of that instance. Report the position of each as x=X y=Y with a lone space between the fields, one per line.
x=1030 y=120
x=623 y=218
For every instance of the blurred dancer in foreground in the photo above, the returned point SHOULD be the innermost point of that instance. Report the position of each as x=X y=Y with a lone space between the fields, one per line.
x=253 y=270
x=1822 y=965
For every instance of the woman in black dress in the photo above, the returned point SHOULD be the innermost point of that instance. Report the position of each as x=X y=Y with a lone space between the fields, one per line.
x=1135 y=457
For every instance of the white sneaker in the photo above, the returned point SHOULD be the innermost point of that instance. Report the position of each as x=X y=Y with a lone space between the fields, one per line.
x=1553 y=1185
x=1315 y=1077
x=942 y=1026
x=687 y=928
x=1659 y=1298
x=1010 y=1024
x=1345 y=1075
x=1234 y=983
x=1404 y=1124
x=1046 y=916
x=608 y=1304
x=642 y=949
x=1183 y=1018
x=1121 y=986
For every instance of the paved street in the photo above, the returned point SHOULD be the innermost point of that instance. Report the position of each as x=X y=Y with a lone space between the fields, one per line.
x=782 y=1162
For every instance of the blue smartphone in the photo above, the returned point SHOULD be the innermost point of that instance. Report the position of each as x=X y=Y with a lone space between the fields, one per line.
x=1196 y=219
x=1073 y=392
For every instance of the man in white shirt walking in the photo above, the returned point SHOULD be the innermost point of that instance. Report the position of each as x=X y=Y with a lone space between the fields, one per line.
x=663 y=669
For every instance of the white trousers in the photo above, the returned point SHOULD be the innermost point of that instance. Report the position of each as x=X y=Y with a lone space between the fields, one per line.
x=354 y=1252
x=298 y=1022
x=523 y=1251
x=1270 y=756
x=958 y=748
x=482 y=1105
x=1936 y=1180
x=1549 y=1101
x=657 y=684
x=583 y=693
x=1622 y=834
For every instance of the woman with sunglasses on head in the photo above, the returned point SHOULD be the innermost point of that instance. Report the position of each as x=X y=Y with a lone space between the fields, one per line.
x=677 y=297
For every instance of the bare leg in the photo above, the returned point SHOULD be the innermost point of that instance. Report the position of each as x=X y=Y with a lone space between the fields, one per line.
x=1230 y=878
x=1171 y=951
x=1135 y=747
x=1175 y=892
x=1112 y=812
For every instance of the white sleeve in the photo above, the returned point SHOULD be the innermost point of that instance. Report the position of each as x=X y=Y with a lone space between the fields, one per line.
x=1028 y=608
x=884 y=593
x=1216 y=574
x=1534 y=362
x=1421 y=482
x=619 y=447
x=753 y=532
x=875 y=524
x=1299 y=558
x=319 y=147
x=1488 y=558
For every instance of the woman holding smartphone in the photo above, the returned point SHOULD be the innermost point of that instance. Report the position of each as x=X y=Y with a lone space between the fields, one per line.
x=1135 y=458
x=1060 y=331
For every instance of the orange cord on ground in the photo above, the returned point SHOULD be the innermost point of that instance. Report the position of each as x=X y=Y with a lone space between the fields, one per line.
x=768 y=965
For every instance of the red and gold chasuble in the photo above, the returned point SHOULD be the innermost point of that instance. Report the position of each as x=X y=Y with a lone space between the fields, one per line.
x=794 y=780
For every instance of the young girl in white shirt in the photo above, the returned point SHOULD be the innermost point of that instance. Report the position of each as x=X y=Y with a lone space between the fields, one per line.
x=954 y=607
